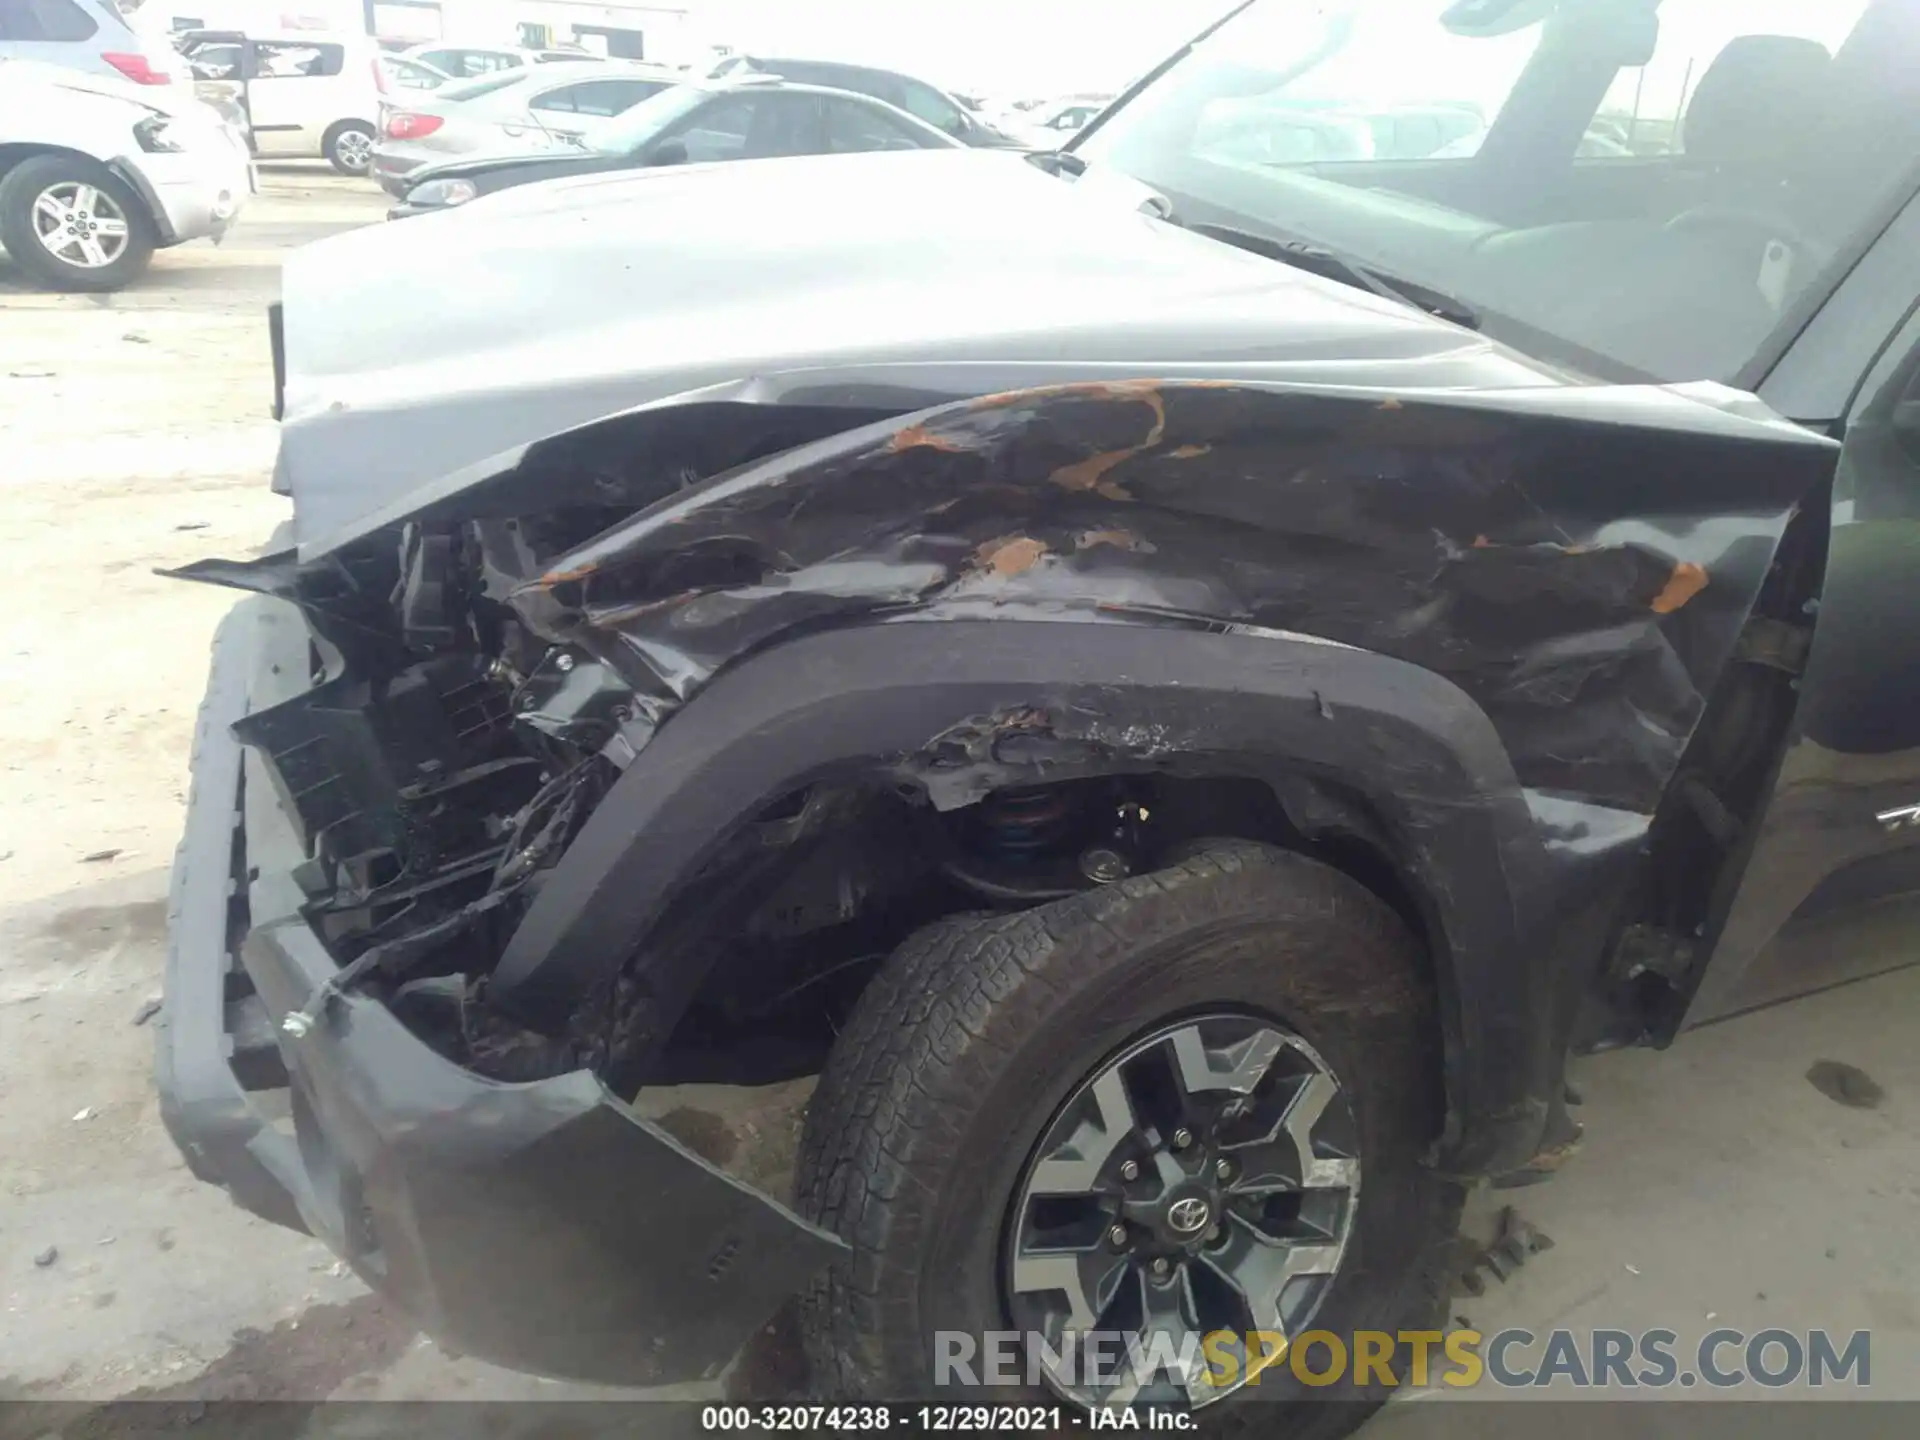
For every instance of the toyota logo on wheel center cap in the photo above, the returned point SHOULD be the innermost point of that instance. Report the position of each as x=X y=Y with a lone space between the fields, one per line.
x=1189 y=1215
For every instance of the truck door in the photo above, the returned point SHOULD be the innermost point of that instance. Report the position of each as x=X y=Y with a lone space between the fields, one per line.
x=1832 y=892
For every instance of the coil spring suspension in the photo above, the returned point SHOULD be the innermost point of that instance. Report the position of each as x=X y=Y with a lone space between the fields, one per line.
x=1019 y=825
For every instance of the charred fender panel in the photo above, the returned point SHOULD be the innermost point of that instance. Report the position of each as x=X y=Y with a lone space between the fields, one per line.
x=1577 y=562
x=1582 y=579
x=963 y=706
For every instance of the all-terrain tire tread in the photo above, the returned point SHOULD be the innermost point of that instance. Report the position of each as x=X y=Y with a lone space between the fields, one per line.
x=933 y=1000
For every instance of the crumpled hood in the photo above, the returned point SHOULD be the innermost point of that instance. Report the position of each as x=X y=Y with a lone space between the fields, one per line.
x=420 y=348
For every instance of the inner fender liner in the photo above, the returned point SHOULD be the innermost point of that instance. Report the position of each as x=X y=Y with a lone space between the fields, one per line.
x=1116 y=696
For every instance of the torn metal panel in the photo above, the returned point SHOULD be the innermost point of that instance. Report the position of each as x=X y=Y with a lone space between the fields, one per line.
x=1583 y=580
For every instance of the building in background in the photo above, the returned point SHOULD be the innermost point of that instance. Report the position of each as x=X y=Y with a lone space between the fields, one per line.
x=656 y=32
x=1007 y=49
x=659 y=32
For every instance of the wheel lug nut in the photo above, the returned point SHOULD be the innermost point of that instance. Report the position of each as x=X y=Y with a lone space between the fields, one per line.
x=1130 y=1170
x=1117 y=1237
x=1161 y=1267
x=1223 y=1168
x=1182 y=1138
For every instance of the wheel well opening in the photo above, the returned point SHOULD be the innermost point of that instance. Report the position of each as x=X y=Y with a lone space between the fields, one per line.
x=795 y=917
x=12 y=155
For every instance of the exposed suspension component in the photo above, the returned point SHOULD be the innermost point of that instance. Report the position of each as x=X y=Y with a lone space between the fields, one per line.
x=1018 y=847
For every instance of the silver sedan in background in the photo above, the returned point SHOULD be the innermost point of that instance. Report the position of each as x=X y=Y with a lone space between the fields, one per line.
x=560 y=106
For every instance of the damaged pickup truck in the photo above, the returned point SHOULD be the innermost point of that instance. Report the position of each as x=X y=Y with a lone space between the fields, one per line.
x=1181 y=681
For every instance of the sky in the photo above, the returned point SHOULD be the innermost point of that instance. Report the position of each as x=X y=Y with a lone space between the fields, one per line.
x=1009 y=47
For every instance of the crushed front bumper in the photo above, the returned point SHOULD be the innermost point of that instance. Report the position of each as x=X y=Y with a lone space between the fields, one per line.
x=196 y=193
x=541 y=1226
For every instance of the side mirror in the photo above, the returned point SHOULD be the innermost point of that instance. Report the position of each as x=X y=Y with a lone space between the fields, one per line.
x=668 y=152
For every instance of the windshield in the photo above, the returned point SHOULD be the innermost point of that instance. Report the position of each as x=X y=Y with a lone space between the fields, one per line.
x=640 y=123
x=1637 y=185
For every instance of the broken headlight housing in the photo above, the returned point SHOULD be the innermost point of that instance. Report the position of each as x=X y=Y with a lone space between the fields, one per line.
x=442 y=193
x=152 y=135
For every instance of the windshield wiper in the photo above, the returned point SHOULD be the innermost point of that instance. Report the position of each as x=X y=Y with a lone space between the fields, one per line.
x=1310 y=255
x=1057 y=162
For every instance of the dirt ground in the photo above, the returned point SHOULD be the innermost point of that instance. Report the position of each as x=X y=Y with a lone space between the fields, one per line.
x=1719 y=1186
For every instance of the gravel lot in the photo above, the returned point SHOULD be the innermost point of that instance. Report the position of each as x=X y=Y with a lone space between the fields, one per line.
x=1718 y=1188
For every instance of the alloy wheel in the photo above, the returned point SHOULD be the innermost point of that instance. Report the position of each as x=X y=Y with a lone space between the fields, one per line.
x=355 y=149
x=1204 y=1180
x=80 y=225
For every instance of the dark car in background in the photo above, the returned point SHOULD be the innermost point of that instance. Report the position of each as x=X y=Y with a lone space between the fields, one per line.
x=919 y=99
x=532 y=109
x=756 y=117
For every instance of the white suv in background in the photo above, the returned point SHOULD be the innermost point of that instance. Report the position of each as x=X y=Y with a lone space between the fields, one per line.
x=88 y=35
x=98 y=173
x=303 y=94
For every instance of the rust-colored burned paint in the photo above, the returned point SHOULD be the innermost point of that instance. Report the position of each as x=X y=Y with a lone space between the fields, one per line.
x=1009 y=555
x=1092 y=389
x=562 y=577
x=615 y=615
x=1481 y=542
x=1118 y=539
x=1091 y=473
x=919 y=437
x=1478 y=545
x=1687 y=581
x=1552 y=1157
x=1088 y=473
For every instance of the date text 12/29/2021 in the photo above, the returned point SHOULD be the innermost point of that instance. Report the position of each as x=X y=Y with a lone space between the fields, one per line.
x=936 y=1419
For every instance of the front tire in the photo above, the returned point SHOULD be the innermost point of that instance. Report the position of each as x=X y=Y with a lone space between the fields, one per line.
x=348 y=147
x=72 y=224
x=963 y=1079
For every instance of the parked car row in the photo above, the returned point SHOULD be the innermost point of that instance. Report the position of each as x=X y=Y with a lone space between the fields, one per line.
x=925 y=102
x=470 y=138
x=740 y=117
x=509 y=111
x=440 y=125
x=303 y=95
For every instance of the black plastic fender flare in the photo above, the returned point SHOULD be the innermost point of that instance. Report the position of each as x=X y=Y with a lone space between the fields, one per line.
x=130 y=175
x=1271 y=706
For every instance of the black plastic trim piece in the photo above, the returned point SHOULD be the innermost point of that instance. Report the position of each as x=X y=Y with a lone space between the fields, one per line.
x=885 y=696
